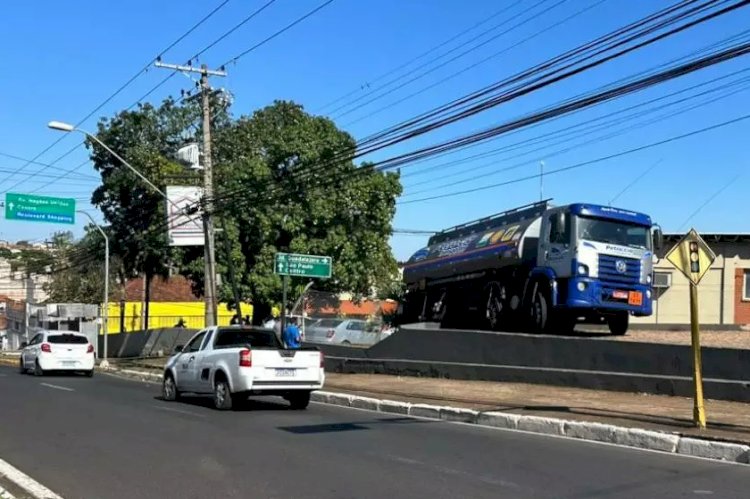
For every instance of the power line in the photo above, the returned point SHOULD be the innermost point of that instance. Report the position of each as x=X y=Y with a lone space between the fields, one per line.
x=707 y=201
x=282 y=30
x=584 y=163
x=122 y=87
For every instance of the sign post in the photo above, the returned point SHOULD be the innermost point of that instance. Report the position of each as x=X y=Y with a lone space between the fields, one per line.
x=33 y=208
x=292 y=264
x=693 y=258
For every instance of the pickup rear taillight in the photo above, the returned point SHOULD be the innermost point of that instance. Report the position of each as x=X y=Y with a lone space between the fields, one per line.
x=90 y=349
x=246 y=358
x=46 y=348
x=322 y=360
x=330 y=333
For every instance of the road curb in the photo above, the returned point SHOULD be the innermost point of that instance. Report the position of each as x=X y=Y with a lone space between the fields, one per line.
x=581 y=430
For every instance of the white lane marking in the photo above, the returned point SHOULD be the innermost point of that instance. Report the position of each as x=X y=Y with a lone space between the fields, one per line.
x=58 y=387
x=703 y=492
x=25 y=482
x=178 y=411
x=4 y=494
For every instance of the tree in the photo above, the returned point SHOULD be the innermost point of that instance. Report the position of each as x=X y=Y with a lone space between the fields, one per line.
x=290 y=203
x=78 y=270
x=147 y=138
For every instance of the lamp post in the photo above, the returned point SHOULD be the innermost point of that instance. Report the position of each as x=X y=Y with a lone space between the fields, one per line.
x=210 y=277
x=105 y=312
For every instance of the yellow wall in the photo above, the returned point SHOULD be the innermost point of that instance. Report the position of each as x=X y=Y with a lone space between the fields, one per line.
x=167 y=314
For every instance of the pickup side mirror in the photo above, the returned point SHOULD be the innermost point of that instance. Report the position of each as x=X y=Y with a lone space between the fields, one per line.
x=178 y=348
x=24 y=344
x=658 y=236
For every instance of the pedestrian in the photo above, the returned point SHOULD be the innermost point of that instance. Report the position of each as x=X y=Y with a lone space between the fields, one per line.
x=235 y=320
x=180 y=324
x=291 y=336
x=246 y=321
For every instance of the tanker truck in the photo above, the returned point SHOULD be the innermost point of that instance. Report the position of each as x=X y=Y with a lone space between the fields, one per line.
x=537 y=268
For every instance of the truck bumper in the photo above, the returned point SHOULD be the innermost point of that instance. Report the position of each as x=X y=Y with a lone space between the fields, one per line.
x=588 y=293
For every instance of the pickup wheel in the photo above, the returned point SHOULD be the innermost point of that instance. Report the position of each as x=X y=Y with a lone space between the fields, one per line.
x=169 y=390
x=299 y=400
x=222 y=395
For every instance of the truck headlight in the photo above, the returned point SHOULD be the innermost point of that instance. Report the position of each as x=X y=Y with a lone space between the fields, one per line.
x=648 y=279
x=583 y=269
x=581 y=286
x=648 y=294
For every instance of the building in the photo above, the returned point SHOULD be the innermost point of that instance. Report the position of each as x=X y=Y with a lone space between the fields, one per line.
x=724 y=292
x=17 y=286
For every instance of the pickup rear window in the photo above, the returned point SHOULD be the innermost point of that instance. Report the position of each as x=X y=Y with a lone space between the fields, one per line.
x=69 y=339
x=235 y=337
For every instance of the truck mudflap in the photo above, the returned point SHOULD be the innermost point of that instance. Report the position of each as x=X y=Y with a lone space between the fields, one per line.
x=608 y=297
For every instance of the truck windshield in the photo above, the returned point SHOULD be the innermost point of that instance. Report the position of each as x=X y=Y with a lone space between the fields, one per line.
x=613 y=232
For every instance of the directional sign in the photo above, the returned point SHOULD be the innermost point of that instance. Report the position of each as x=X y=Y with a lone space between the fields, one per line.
x=692 y=256
x=32 y=208
x=303 y=265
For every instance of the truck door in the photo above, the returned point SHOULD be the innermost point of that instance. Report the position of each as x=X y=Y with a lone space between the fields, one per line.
x=556 y=251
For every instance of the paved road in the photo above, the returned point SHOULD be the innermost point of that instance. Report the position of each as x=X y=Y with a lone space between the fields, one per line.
x=110 y=438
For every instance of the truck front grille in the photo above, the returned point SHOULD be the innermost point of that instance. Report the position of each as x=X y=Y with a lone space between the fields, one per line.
x=619 y=270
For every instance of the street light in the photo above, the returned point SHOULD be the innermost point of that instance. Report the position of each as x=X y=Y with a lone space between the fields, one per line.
x=105 y=313
x=66 y=127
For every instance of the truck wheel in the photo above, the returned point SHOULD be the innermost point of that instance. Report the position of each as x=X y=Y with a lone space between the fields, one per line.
x=299 y=400
x=539 y=313
x=222 y=395
x=493 y=313
x=618 y=324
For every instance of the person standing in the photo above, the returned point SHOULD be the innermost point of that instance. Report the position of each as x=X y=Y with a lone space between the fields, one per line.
x=291 y=336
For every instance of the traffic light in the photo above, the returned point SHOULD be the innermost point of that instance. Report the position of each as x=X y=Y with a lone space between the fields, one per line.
x=694 y=258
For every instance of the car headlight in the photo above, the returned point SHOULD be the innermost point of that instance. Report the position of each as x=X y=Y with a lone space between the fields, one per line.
x=583 y=269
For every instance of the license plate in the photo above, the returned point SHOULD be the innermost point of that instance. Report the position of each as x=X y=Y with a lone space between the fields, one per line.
x=635 y=298
x=286 y=373
x=620 y=295
x=69 y=362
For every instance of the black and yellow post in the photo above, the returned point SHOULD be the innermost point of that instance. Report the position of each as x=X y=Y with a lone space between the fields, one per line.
x=699 y=411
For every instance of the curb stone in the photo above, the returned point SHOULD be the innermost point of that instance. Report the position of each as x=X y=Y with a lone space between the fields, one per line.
x=671 y=443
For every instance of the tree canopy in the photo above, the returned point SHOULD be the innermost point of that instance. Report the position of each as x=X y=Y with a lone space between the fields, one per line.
x=282 y=184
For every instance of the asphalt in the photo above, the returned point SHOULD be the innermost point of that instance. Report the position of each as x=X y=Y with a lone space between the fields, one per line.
x=112 y=438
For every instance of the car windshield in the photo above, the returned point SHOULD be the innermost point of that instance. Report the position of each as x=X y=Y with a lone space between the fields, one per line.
x=612 y=232
x=235 y=337
x=70 y=339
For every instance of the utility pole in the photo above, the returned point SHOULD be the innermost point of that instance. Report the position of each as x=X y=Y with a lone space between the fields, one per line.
x=208 y=186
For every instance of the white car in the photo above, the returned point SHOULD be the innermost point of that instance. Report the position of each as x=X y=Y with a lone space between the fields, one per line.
x=234 y=362
x=57 y=351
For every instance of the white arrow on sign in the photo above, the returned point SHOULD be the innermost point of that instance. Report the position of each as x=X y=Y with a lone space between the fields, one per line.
x=11 y=205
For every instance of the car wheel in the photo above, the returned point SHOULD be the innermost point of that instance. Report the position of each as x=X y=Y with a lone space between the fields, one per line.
x=90 y=373
x=21 y=367
x=169 y=389
x=38 y=371
x=222 y=396
x=299 y=401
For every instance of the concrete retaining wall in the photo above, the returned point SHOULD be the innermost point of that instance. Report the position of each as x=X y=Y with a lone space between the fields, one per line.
x=146 y=343
x=597 y=363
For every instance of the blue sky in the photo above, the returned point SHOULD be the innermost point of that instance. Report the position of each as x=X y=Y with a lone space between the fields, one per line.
x=63 y=58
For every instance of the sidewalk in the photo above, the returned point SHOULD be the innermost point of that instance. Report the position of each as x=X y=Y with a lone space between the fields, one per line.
x=727 y=421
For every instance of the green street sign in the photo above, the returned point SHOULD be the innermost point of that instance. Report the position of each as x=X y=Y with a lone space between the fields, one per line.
x=303 y=265
x=32 y=208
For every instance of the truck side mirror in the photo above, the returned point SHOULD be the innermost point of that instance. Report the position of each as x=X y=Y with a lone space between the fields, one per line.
x=658 y=238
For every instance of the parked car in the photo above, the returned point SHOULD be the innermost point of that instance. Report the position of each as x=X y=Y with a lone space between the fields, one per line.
x=234 y=362
x=57 y=351
x=343 y=331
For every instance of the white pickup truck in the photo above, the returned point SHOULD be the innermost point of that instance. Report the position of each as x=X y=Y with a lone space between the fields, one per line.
x=234 y=362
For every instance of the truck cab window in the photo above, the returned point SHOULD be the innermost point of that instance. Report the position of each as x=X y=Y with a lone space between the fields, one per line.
x=559 y=229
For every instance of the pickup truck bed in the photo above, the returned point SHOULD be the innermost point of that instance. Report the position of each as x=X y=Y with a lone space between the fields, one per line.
x=233 y=362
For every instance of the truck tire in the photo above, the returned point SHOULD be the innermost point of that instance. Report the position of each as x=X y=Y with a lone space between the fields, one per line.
x=299 y=400
x=618 y=324
x=539 y=313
